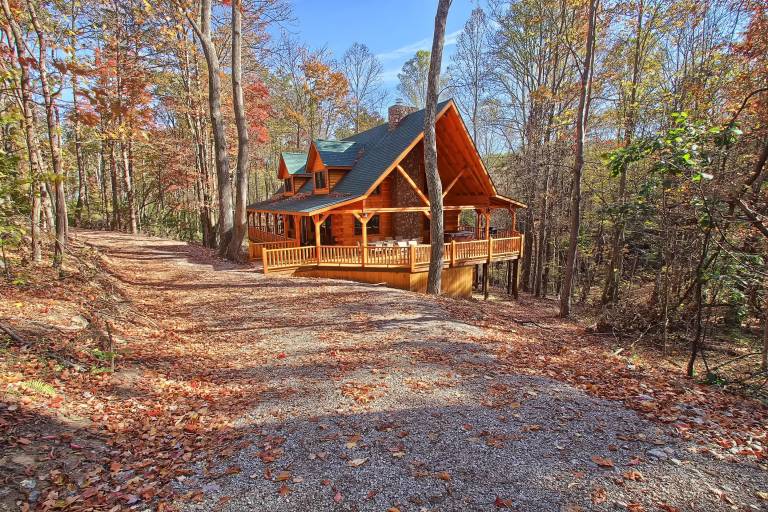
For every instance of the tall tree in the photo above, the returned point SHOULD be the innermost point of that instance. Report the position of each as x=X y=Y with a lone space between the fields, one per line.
x=582 y=114
x=29 y=121
x=363 y=71
x=203 y=32
x=414 y=78
x=470 y=71
x=54 y=137
x=434 y=185
x=241 y=194
x=629 y=92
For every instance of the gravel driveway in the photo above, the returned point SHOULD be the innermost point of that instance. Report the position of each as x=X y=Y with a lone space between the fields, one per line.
x=379 y=399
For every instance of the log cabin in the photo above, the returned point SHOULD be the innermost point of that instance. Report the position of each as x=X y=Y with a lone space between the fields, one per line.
x=358 y=209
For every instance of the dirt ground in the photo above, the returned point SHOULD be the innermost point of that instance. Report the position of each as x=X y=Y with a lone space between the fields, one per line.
x=236 y=391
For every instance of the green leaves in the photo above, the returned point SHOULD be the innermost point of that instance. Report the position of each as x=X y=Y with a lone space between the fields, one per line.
x=686 y=149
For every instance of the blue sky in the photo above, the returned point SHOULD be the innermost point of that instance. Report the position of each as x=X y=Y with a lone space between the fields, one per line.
x=392 y=29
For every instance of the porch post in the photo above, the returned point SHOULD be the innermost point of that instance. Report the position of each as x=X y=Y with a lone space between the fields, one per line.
x=487 y=224
x=477 y=224
x=365 y=238
x=297 y=229
x=513 y=212
x=515 y=277
x=318 y=222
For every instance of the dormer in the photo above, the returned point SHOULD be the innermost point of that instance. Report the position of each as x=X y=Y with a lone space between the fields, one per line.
x=329 y=161
x=292 y=170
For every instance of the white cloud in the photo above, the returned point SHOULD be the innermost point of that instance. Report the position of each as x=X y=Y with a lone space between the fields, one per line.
x=410 y=49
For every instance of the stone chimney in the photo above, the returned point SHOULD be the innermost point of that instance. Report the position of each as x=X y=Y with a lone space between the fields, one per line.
x=397 y=112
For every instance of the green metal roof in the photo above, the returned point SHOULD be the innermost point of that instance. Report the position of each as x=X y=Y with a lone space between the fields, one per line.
x=338 y=153
x=295 y=162
x=369 y=153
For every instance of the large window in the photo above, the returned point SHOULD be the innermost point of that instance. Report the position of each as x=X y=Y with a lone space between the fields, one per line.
x=374 y=226
x=288 y=185
x=321 y=180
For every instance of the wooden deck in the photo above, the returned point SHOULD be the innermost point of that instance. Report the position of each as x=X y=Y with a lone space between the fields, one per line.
x=414 y=258
x=258 y=240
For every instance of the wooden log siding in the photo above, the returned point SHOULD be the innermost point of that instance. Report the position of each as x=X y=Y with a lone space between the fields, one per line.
x=412 y=257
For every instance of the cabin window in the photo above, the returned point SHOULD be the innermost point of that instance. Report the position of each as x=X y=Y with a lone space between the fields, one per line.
x=321 y=180
x=288 y=187
x=374 y=226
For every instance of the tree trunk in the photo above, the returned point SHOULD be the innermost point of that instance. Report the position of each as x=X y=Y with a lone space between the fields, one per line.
x=616 y=264
x=241 y=194
x=698 y=296
x=203 y=32
x=130 y=197
x=30 y=133
x=434 y=185
x=764 y=358
x=116 y=220
x=82 y=187
x=578 y=165
x=54 y=140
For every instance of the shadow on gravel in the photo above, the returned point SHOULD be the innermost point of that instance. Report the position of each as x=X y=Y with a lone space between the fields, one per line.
x=534 y=454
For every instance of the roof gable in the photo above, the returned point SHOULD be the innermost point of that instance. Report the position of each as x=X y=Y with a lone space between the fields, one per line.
x=370 y=155
x=292 y=163
x=379 y=158
x=338 y=153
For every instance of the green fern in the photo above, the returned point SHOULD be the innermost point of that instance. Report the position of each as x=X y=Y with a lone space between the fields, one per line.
x=39 y=387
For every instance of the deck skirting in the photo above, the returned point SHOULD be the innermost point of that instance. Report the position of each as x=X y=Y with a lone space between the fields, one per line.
x=456 y=281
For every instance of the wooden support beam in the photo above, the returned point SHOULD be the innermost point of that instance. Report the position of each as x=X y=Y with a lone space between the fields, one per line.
x=318 y=222
x=297 y=228
x=487 y=224
x=515 y=277
x=509 y=277
x=485 y=280
x=386 y=210
x=453 y=182
x=413 y=185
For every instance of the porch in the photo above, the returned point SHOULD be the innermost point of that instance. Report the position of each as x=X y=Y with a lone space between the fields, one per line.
x=411 y=257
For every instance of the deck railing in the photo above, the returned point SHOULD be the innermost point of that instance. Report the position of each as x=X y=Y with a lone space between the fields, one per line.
x=256 y=249
x=340 y=255
x=259 y=235
x=289 y=258
x=412 y=257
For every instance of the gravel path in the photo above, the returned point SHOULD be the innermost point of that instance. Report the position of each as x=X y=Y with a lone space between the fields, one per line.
x=379 y=399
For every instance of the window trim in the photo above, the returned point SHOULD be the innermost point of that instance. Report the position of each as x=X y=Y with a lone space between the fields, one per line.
x=324 y=189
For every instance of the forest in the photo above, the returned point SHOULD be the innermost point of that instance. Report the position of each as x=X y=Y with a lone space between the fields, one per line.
x=635 y=131
x=149 y=362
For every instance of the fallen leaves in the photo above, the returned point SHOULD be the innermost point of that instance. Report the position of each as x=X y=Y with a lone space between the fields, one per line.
x=603 y=462
x=632 y=475
x=502 y=503
x=357 y=462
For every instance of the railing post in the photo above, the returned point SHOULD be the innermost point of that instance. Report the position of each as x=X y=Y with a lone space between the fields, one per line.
x=490 y=248
x=412 y=257
x=453 y=253
x=264 y=258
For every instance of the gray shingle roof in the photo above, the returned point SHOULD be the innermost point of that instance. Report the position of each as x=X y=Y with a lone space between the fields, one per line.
x=381 y=147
